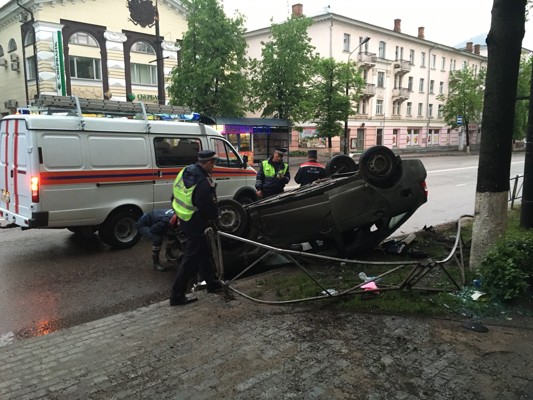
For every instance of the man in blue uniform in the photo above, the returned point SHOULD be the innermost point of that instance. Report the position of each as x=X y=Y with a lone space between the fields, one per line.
x=155 y=225
x=195 y=203
x=273 y=175
x=311 y=170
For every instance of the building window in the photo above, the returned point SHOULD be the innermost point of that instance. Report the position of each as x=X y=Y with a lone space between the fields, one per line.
x=430 y=110
x=431 y=86
x=443 y=65
x=30 y=68
x=83 y=39
x=410 y=84
x=379 y=107
x=396 y=108
x=465 y=64
x=85 y=68
x=420 y=108
x=29 y=39
x=142 y=74
x=364 y=105
x=11 y=46
x=382 y=50
x=440 y=111
x=409 y=109
x=381 y=79
x=361 y=38
x=1 y=51
x=346 y=42
x=441 y=87
x=412 y=57
x=142 y=47
x=395 y=137
x=422 y=59
x=421 y=85
x=433 y=61
x=399 y=53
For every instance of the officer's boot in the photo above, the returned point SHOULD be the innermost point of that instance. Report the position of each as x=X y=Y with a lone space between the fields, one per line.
x=155 y=259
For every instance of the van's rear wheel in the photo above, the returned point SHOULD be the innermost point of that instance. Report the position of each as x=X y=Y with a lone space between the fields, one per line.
x=118 y=230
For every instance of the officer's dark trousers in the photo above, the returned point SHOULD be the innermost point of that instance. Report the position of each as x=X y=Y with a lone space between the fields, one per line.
x=197 y=258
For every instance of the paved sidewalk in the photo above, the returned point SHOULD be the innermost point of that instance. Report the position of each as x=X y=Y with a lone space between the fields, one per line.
x=214 y=349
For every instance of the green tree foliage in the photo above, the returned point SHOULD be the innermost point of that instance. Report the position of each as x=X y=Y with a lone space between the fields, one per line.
x=465 y=98
x=281 y=78
x=331 y=104
x=209 y=78
x=522 y=106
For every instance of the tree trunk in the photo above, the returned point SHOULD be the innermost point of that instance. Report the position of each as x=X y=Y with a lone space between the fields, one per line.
x=504 y=43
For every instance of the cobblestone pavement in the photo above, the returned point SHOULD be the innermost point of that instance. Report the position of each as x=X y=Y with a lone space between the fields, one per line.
x=243 y=350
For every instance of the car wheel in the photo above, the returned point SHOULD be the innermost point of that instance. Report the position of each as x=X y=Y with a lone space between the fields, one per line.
x=118 y=230
x=233 y=217
x=380 y=167
x=339 y=164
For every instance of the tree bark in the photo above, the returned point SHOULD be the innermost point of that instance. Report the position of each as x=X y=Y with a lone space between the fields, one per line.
x=504 y=43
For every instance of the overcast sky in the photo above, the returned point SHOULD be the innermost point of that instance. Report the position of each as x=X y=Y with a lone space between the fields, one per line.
x=447 y=22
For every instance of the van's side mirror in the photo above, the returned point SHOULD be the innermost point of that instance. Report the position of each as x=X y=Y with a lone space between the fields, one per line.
x=245 y=161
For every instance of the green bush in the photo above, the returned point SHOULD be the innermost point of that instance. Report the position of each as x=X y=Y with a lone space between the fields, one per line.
x=507 y=268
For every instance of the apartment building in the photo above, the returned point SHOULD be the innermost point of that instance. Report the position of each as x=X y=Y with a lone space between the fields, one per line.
x=92 y=48
x=404 y=74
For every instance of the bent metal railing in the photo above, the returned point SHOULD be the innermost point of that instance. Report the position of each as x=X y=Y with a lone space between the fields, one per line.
x=517 y=184
x=419 y=268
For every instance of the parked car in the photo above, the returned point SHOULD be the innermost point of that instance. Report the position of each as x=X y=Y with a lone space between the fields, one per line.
x=355 y=208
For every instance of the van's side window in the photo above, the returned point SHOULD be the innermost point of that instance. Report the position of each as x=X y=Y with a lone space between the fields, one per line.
x=227 y=157
x=171 y=152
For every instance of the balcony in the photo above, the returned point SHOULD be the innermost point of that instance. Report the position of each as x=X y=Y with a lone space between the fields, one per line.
x=401 y=67
x=400 y=94
x=367 y=60
x=369 y=91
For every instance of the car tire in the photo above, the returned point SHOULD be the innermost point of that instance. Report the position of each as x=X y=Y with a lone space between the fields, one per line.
x=379 y=166
x=233 y=217
x=340 y=164
x=118 y=230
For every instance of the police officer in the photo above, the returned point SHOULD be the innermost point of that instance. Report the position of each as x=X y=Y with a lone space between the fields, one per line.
x=311 y=170
x=195 y=203
x=155 y=225
x=273 y=175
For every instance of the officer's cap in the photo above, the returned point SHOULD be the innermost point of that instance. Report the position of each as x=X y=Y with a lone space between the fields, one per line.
x=281 y=151
x=206 y=155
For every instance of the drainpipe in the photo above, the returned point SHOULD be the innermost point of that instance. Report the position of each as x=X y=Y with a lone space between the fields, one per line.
x=427 y=92
x=34 y=51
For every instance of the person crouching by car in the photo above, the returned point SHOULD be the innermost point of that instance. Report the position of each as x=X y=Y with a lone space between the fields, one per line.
x=273 y=175
x=195 y=203
x=311 y=170
x=155 y=225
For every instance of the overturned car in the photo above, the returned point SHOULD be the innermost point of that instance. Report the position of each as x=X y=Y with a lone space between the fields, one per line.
x=355 y=208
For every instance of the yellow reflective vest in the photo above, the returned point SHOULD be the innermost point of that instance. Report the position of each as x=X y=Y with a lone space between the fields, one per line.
x=182 y=202
x=270 y=172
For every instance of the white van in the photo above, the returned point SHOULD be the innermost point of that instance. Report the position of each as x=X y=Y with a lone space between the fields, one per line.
x=92 y=174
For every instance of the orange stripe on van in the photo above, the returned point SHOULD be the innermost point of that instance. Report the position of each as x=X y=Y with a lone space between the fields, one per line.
x=16 y=163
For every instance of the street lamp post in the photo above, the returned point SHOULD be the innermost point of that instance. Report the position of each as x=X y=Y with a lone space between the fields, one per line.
x=345 y=145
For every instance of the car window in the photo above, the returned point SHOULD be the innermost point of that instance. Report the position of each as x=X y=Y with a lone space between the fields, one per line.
x=226 y=155
x=171 y=152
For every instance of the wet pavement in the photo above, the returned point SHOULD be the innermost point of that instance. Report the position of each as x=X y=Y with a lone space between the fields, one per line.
x=238 y=349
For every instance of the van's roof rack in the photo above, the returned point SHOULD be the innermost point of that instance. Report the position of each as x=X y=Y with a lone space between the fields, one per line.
x=110 y=107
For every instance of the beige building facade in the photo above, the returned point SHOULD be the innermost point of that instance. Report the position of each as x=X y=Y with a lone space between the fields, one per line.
x=404 y=74
x=90 y=48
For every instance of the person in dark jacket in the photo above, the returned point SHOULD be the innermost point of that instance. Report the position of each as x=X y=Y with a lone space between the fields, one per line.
x=311 y=170
x=195 y=204
x=156 y=225
x=273 y=175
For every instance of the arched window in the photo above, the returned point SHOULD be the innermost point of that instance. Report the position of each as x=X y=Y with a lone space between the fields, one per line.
x=1 y=51
x=30 y=38
x=12 y=46
x=142 y=47
x=83 y=39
